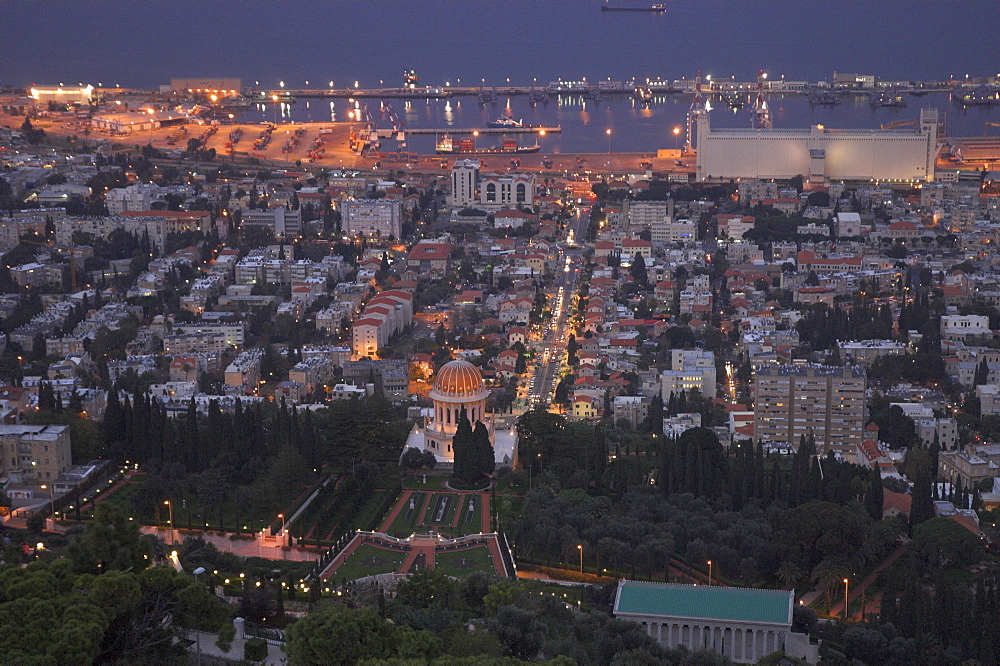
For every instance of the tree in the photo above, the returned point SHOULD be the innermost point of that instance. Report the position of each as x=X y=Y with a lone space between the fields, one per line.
x=348 y=637
x=463 y=448
x=485 y=456
x=638 y=271
x=413 y=458
x=255 y=650
x=519 y=631
x=110 y=542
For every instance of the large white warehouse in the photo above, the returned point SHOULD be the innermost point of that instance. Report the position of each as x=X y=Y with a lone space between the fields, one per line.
x=819 y=153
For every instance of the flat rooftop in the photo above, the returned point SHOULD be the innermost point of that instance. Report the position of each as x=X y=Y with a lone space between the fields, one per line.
x=700 y=601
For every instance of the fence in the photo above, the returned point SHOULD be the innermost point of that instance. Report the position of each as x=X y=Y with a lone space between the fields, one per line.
x=269 y=635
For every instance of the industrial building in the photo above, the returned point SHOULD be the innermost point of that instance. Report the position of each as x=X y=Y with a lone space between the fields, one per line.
x=225 y=86
x=72 y=95
x=818 y=153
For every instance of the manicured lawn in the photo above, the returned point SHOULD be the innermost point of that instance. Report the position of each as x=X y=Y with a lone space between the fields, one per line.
x=463 y=562
x=473 y=526
x=401 y=527
x=367 y=561
x=417 y=482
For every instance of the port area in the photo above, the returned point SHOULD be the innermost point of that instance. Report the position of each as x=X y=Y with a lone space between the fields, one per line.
x=292 y=144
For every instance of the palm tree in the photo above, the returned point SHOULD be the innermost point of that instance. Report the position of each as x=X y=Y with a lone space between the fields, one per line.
x=827 y=574
x=789 y=573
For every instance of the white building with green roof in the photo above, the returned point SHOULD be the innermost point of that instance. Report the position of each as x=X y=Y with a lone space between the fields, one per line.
x=742 y=624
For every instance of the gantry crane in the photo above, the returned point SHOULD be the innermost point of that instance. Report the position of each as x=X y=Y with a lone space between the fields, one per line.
x=896 y=124
x=760 y=114
x=699 y=107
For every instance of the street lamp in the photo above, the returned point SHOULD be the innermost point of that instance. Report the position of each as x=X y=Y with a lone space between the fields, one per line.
x=197 y=633
x=710 y=573
x=171 y=507
x=579 y=547
x=846 y=587
x=608 y=132
x=677 y=135
x=282 y=516
x=274 y=98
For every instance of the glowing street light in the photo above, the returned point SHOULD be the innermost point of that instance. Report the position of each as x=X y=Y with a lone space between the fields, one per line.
x=171 y=507
x=579 y=547
x=608 y=132
x=710 y=573
x=846 y=587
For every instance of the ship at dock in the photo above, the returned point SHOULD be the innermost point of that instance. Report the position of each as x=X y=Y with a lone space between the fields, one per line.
x=448 y=146
x=506 y=122
x=658 y=8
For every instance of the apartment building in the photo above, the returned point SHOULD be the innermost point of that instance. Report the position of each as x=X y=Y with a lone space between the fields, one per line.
x=34 y=452
x=373 y=217
x=791 y=401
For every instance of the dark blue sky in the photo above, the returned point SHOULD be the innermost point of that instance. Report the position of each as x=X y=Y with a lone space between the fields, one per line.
x=145 y=43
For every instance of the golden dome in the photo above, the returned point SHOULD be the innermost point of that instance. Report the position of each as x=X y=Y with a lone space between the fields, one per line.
x=458 y=379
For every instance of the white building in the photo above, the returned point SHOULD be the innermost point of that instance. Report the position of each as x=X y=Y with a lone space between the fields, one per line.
x=464 y=178
x=281 y=221
x=818 y=153
x=373 y=217
x=459 y=385
x=960 y=327
x=506 y=190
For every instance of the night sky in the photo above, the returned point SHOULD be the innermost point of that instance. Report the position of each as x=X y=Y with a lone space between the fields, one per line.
x=145 y=43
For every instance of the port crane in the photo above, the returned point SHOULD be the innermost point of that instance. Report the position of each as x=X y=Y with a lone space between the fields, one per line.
x=760 y=114
x=896 y=124
x=699 y=107
x=987 y=126
x=64 y=248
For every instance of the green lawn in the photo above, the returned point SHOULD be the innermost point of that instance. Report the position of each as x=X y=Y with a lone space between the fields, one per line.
x=475 y=526
x=401 y=527
x=463 y=562
x=367 y=561
x=417 y=482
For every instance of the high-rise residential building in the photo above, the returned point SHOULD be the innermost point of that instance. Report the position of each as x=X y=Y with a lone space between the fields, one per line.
x=464 y=179
x=380 y=217
x=282 y=222
x=795 y=400
x=639 y=215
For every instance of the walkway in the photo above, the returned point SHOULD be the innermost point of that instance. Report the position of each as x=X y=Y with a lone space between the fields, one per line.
x=244 y=547
x=419 y=546
x=394 y=513
x=859 y=589
x=423 y=511
x=485 y=512
x=275 y=654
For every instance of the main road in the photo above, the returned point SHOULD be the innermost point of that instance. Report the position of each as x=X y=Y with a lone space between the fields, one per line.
x=549 y=338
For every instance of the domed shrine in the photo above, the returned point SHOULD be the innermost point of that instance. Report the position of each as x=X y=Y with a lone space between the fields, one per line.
x=459 y=384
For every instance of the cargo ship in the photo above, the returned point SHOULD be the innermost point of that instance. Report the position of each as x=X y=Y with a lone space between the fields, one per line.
x=658 y=8
x=448 y=146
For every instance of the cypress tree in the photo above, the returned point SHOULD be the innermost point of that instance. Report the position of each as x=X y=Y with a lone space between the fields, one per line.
x=463 y=449
x=873 y=498
x=485 y=458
